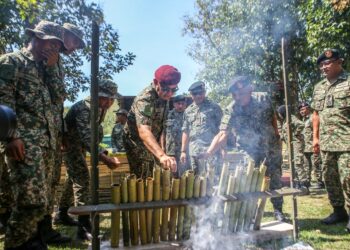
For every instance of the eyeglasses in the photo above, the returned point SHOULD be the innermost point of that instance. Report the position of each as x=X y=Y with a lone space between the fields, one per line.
x=197 y=93
x=326 y=63
x=167 y=89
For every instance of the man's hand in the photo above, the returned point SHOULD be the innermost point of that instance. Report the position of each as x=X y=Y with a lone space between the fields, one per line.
x=183 y=158
x=51 y=57
x=168 y=162
x=15 y=149
x=111 y=162
x=316 y=146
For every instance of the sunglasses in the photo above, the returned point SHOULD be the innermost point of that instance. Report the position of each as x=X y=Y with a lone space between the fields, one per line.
x=167 y=89
x=197 y=93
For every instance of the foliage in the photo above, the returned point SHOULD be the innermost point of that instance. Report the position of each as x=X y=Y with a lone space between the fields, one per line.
x=17 y=15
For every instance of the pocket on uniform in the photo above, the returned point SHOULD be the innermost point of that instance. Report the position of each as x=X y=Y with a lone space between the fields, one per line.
x=319 y=101
x=342 y=99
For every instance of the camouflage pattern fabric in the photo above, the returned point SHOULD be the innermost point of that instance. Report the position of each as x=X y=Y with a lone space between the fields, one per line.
x=117 y=137
x=147 y=109
x=201 y=123
x=22 y=88
x=173 y=137
x=252 y=127
x=332 y=101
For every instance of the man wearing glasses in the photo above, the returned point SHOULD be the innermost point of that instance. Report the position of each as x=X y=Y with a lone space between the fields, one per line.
x=201 y=124
x=331 y=132
x=146 y=121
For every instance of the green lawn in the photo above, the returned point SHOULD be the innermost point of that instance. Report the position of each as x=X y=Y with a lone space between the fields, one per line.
x=310 y=210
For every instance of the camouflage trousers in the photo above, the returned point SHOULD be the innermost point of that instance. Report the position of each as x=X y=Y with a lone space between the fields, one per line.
x=203 y=167
x=6 y=196
x=31 y=183
x=336 y=175
x=181 y=168
x=312 y=163
x=56 y=175
x=301 y=173
x=67 y=196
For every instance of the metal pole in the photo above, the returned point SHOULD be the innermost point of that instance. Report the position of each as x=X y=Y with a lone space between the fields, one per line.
x=94 y=132
x=289 y=143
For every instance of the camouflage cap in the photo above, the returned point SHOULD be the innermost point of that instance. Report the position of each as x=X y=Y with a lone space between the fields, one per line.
x=76 y=32
x=46 y=30
x=121 y=112
x=108 y=88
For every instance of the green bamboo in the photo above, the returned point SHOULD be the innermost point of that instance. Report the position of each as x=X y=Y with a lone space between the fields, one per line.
x=203 y=188
x=142 y=212
x=175 y=192
x=251 y=203
x=156 y=211
x=236 y=206
x=181 y=213
x=115 y=218
x=134 y=227
x=227 y=206
x=261 y=206
x=165 y=211
x=210 y=181
x=149 y=197
x=189 y=184
x=125 y=214
x=223 y=179
x=188 y=209
x=196 y=187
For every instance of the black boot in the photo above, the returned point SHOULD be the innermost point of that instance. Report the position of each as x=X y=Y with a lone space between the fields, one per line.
x=4 y=217
x=51 y=236
x=63 y=218
x=339 y=215
x=304 y=186
x=84 y=228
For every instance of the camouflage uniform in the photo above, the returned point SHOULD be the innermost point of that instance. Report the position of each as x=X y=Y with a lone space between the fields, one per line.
x=201 y=124
x=311 y=161
x=298 y=144
x=173 y=137
x=332 y=102
x=147 y=109
x=252 y=127
x=117 y=137
x=23 y=89
x=78 y=137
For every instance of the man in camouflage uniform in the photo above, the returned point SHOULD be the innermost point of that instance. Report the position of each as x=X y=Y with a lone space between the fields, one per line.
x=331 y=134
x=173 y=132
x=118 y=130
x=145 y=124
x=78 y=139
x=201 y=124
x=301 y=173
x=311 y=161
x=29 y=155
x=254 y=124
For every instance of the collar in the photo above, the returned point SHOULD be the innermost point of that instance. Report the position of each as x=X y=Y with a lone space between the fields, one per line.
x=26 y=53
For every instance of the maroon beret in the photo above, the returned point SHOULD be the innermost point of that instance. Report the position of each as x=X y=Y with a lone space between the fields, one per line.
x=167 y=74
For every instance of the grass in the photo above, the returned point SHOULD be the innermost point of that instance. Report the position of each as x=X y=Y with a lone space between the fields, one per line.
x=311 y=209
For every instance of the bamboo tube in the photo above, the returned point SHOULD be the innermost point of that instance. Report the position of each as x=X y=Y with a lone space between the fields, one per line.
x=165 y=210
x=251 y=203
x=134 y=227
x=156 y=211
x=188 y=209
x=227 y=206
x=203 y=188
x=125 y=214
x=246 y=188
x=181 y=214
x=142 y=212
x=261 y=206
x=196 y=187
x=210 y=181
x=223 y=179
x=149 y=197
x=236 y=206
x=175 y=192
x=115 y=218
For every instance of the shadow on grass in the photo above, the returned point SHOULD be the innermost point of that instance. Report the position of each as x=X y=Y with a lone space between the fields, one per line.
x=315 y=224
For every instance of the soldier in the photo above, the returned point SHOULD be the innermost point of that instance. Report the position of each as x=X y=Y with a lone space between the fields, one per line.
x=78 y=139
x=254 y=124
x=301 y=173
x=118 y=130
x=311 y=161
x=173 y=132
x=201 y=124
x=145 y=123
x=331 y=131
x=29 y=154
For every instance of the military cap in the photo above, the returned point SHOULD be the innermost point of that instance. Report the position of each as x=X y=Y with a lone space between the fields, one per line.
x=167 y=75
x=121 y=112
x=46 y=30
x=76 y=32
x=302 y=105
x=328 y=54
x=239 y=82
x=108 y=88
x=179 y=98
x=198 y=86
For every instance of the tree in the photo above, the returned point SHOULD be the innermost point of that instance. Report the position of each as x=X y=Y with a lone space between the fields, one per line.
x=17 y=15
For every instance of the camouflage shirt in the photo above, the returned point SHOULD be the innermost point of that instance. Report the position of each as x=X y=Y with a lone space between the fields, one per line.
x=297 y=127
x=173 y=132
x=201 y=124
x=332 y=101
x=78 y=127
x=147 y=109
x=23 y=89
x=308 y=136
x=117 y=137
